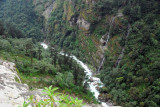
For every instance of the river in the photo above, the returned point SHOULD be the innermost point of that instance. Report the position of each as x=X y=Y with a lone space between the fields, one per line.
x=94 y=83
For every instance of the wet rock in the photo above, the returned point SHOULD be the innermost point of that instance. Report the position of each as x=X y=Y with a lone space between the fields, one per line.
x=102 y=97
x=98 y=88
x=91 y=80
x=93 y=105
x=106 y=98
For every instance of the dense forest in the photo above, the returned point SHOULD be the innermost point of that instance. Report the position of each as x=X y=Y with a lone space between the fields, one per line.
x=125 y=33
x=21 y=15
x=39 y=67
x=135 y=81
x=20 y=43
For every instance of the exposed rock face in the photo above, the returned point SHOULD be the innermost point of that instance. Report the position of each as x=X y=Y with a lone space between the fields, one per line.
x=10 y=90
x=103 y=44
x=83 y=24
x=12 y=93
x=48 y=11
x=80 y=22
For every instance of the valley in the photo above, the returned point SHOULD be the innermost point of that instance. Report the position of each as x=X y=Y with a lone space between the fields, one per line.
x=103 y=52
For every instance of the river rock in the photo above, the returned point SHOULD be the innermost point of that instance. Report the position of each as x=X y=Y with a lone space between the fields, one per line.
x=91 y=79
x=98 y=88
x=93 y=105
x=102 y=97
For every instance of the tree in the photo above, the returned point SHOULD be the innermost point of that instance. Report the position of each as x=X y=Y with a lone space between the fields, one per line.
x=31 y=55
x=29 y=49
x=14 y=32
x=39 y=52
x=76 y=73
x=55 y=56
x=2 y=29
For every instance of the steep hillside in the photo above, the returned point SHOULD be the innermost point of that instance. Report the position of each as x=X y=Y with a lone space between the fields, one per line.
x=120 y=36
x=22 y=16
x=82 y=26
x=132 y=79
x=15 y=94
x=120 y=39
x=41 y=68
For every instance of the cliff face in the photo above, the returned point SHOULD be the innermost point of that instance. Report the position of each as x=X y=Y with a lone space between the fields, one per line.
x=10 y=90
x=13 y=93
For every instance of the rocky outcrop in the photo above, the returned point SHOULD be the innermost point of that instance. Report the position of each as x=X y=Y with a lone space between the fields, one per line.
x=83 y=24
x=10 y=90
x=48 y=11
x=13 y=93
x=103 y=43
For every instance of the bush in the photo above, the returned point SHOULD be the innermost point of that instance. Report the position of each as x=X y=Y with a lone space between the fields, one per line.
x=64 y=101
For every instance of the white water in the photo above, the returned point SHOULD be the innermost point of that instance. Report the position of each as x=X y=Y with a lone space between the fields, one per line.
x=45 y=46
x=107 y=39
x=122 y=52
x=94 y=81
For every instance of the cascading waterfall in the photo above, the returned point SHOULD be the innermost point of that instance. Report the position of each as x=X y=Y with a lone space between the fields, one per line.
x=108 y=36
x=123 y=49
x=107 y=39
x=45 y=46
x=94 y=83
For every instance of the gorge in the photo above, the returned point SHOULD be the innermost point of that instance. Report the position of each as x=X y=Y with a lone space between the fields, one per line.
x=94 y=50
x=94 y=82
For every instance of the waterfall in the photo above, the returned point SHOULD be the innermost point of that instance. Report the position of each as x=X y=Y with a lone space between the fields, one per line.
x=45 y=46
x=106 y=44
x=123 y=49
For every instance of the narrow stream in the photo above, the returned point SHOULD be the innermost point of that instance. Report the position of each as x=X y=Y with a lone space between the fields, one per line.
x=107 y=39
x=94 y=81
x=123 y=49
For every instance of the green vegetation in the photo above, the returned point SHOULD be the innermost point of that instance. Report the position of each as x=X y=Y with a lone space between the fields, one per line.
x=135 y=82
x=49 y=100
x=20 y=15
x=65 y=32
x=39 y=68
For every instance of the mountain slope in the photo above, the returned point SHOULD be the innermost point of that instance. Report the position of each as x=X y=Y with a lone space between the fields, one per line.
x=131 y=66
x=121 y=38
x=21 y=15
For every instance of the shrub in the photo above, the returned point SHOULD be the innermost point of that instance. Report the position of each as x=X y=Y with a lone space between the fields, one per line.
x=65 y=100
